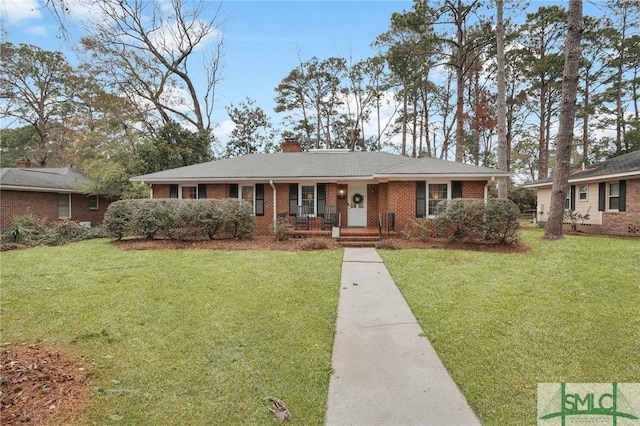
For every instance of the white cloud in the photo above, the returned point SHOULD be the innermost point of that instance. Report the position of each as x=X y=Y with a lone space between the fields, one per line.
x=37 y=30
x=18 y=11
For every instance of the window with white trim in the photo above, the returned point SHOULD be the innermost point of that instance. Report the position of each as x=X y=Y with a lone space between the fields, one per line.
x=247 y=194
x=189 y=192
x=308 y=197
x=437 y=192
x=583 y=192
x=64 y=206
x=613 y=196
x=93 y=202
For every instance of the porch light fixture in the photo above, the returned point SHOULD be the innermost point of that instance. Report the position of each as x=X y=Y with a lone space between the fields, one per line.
x=341 y=194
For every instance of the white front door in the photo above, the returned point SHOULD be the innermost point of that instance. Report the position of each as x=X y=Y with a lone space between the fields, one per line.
x=357 y=211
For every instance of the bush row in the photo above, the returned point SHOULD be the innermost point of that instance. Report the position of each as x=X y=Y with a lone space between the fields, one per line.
x=30 y=230
x=495 y=220
x=179 y=219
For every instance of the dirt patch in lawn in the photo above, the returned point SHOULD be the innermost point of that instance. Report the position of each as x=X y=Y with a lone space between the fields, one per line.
x=264 y=242
x=41 y=386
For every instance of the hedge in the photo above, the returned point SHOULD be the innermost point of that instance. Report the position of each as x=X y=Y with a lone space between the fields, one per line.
x=179 y=219
x=494 y=220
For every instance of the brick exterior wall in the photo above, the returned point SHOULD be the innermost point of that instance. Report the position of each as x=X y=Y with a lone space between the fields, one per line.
x=473 y=190
x=373 y=205
x=401 y=200
x=626 y=223
x=395 y=197
x=45 y=206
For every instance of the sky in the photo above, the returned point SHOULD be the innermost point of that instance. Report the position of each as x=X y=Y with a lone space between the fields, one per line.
x=264 y=40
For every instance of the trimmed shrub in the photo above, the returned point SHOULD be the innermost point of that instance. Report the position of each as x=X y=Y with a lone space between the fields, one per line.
x=237 y=220
x=117 y=219
x=501 y=221
x=281 y=230
x=179 y=219
x=459 y=219
x=209 y=218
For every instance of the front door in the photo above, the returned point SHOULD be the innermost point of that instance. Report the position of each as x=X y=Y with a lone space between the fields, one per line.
x=357 y=212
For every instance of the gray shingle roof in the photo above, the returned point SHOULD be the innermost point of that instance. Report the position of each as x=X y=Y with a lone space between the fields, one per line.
x=627 y=164
x=52 y=179
x=316 y=165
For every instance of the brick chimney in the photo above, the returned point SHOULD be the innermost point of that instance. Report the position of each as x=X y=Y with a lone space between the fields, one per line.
x=291 y=145
x=24 y=163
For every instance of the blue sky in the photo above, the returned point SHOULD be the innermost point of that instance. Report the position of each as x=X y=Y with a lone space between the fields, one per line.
x=264 y=40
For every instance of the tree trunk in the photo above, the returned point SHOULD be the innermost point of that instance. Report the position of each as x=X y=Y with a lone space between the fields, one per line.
x=585 y=121
x=404 y=120
x=502 y=103
x=543 y=159
x=573 y=52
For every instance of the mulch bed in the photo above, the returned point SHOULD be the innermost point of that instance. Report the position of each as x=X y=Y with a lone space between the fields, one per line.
x=264 y=242
x=40 y=385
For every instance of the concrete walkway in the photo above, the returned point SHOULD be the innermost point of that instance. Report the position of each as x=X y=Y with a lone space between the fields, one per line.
x=384 y=371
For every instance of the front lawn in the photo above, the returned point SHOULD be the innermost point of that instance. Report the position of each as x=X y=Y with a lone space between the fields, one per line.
x=188 y=337
x=568 y=311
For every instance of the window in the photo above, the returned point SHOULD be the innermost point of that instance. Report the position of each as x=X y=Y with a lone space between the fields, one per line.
x=189 y=192
x=308 y=197
x=93 y=202
x=246 y=194
x=437 y=193
x=614 y=196
x=583 y=194
x=64 y=206
x=570 y=201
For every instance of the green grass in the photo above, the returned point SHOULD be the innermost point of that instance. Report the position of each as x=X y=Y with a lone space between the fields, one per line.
x=568 y=311
x=187 y=337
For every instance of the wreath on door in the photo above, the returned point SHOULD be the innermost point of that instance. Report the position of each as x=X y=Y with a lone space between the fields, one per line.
x=357 y=198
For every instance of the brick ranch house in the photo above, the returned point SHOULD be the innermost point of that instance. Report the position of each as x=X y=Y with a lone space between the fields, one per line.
x=360 y=187
x=51 y=193
x=608 y=191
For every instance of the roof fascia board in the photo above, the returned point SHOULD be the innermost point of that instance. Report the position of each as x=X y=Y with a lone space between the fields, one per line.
x=592 y=179
x=38 y=189
x=460 y=176
x=252 y=179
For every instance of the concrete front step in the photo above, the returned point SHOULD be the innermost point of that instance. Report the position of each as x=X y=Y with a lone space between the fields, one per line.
x=362 y=240
x=354 y=243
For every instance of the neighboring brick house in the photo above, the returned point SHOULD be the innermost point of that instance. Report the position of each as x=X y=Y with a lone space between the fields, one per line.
x=361 y=187
x=608 y=191
x=51 y=193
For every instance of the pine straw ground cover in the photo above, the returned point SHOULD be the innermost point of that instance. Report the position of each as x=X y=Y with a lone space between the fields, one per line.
x=41 y=386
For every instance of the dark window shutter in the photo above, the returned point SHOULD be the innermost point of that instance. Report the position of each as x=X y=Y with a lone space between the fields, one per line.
x=572 y=200
x=421 y=199
x=173 y=191
x=602 y=196
x=623 y=196
x=202 y=190
x=322 y=198
x=233 y=190
x=259 y=199
x=456 y=189
x=293 y=199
